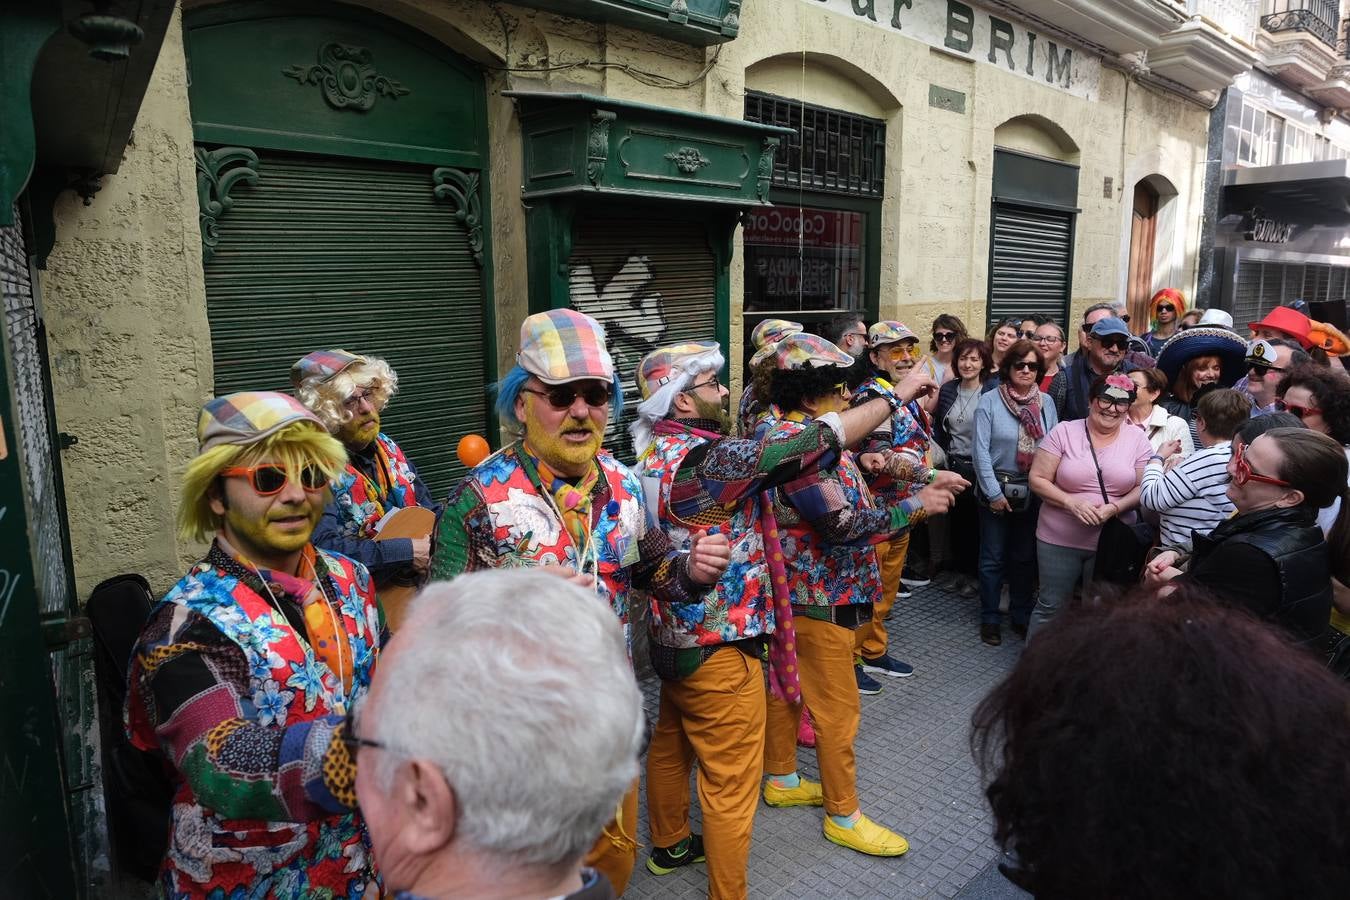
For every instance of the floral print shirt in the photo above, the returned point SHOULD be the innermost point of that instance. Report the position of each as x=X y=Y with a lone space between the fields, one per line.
x=225 y=685
x=500 y=516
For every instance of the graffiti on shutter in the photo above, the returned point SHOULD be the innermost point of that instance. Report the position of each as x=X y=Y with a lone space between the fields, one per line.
x=650 y=284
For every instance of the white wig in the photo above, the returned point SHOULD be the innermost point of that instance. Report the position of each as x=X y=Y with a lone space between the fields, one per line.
x=517 y=686
x=682 y=373
x=327 y=398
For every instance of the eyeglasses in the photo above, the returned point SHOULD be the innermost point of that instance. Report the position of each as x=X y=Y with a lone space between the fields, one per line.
x=1048 y=339
x=1242 y=470
x=1023 y=365
x=944 y=337
x=269 y=478
x=349 y=738
x=1114 y=342
x=562 y=396
x=902 y=350
x=856 y=334
x=355 y=400
x=702 y=384
x=1105 y=403
x=1301 y=411
x=1166 y=307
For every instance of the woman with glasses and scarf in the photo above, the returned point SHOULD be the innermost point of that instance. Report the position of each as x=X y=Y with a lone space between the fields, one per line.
x=1010 y=423
x=1077 y=462
x=1271 y=558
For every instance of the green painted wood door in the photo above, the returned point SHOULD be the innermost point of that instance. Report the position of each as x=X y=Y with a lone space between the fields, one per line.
x=340 y=176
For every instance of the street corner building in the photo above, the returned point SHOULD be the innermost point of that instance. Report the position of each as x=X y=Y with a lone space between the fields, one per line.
x=195 y=194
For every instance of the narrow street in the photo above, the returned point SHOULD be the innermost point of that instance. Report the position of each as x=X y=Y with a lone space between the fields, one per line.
x=915 y=774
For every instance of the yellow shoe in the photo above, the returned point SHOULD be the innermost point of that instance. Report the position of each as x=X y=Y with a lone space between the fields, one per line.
x=866 y=837
x=807 y=793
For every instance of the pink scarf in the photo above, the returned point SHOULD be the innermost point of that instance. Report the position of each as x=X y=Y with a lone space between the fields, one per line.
x=1030 y=429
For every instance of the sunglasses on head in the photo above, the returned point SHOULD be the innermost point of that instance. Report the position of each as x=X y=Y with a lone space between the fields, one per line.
x=1293 y=408
x=270 y=478
x=562 y=396
x=1242 y=470
x=943 y=337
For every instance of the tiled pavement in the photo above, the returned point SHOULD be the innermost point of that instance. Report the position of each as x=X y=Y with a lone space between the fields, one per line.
x=915 y=774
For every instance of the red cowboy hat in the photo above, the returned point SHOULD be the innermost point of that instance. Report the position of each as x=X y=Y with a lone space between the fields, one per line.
x=1290 y=321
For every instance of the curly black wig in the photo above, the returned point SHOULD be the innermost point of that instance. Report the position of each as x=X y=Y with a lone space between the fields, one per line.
x=788 y=388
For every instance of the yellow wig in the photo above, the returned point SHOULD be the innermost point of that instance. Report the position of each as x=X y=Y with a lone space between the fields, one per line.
x=299 y=444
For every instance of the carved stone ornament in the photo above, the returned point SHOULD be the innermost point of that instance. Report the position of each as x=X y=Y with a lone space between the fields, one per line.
x=218 y=171
x=764 y=177
x=597 y=145
x=679 y=11
x=461 y=189
x=347 y=76
x=731 y=22
x=688 y=160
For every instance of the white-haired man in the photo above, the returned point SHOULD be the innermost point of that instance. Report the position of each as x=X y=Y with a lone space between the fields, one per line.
x=348 y=392
x=492 y=748
x=712 y=696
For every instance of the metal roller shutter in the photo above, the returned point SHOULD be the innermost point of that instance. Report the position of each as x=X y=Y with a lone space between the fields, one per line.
x=1031 y=262
x=325 y=253
x=1263 y=285
x=650 y=283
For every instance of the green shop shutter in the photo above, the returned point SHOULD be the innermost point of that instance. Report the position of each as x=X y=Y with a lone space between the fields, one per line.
x=1030 y=262
x=320 y=253
x=649 y=282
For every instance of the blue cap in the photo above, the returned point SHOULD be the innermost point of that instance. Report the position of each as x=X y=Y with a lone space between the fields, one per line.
x=1110 y=325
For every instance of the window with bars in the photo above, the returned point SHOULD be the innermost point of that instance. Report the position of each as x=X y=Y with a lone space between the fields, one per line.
x=1263 y=285
x=832 y=151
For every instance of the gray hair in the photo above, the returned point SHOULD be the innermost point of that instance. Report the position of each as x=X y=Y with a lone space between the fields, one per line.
x=517 y=686
x=1096 y=307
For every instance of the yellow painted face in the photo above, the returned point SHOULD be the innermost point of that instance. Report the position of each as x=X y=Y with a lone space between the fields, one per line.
x=363 y=427
x=264 y=525
x=565 y=441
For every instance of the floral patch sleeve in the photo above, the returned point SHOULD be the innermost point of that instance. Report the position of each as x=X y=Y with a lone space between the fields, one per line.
x=190 y=699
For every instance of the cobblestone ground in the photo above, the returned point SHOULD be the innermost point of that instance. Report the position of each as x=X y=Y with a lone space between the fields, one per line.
x=915 y=774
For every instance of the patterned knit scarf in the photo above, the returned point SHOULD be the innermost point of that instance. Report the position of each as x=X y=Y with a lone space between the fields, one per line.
x=573 y=500
x=1030 y=429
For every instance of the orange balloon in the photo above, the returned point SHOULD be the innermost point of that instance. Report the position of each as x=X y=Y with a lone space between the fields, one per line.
x=472 y=450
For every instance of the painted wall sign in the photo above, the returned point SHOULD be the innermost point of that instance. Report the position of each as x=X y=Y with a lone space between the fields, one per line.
x=967 y=30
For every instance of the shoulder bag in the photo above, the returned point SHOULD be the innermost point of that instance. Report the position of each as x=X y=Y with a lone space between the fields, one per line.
x=1121 y=547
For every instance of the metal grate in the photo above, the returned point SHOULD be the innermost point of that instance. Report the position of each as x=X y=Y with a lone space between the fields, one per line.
x=1320 y=18
x=832 y=151
x=1263 y=285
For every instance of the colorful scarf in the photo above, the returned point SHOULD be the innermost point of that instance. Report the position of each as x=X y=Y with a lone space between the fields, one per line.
x=1030 y=428
x=323 y=624
x=573 y=501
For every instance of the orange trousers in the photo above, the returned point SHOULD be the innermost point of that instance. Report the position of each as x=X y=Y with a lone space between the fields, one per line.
x=615 y=851
x=869 y=641
x=716 y=716
x=825 y=663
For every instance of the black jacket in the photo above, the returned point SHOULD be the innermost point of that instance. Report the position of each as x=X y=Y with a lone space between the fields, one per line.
x=1274 y=563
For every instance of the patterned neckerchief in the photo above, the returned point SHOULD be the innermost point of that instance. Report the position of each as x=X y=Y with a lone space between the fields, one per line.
x=573 y=500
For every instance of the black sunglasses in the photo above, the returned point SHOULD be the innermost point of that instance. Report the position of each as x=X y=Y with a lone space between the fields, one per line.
x=1029 y=335
x=1262 y=368
x=1021 y=365
x=1166 y=307
x=943 y=337
x=562 y=396
x=268 y=479
x=1115 y=342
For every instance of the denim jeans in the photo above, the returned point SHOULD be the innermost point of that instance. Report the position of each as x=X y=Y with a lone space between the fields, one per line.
x=1061 y=569
x=1007 y=553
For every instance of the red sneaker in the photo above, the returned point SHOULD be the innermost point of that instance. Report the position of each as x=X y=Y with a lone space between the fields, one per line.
x=806 y=735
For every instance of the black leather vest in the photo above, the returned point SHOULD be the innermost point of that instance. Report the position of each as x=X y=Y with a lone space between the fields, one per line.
x=1292 y=540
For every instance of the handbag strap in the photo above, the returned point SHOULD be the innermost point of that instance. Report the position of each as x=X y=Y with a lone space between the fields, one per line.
x=1096 y=465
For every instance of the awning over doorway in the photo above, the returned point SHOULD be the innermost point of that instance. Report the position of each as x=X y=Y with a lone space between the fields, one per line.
x=1311 y=193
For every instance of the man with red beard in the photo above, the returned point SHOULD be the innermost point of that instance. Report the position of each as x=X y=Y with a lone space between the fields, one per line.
x=555 y=499
x=348 y=392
